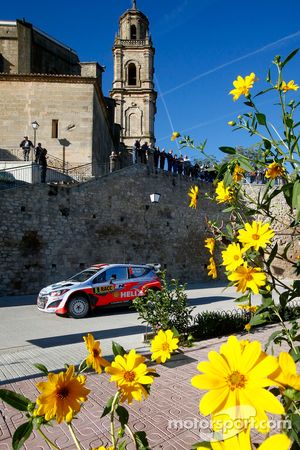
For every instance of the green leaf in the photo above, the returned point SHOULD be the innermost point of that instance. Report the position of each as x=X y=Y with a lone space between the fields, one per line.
x=201 y=444
x=15 y=400
x=261 y=119
x=41 y=368
x=292 y=394
x=118 y=349
x=268 y=79
x=227 y=179
x=289 y=57
x=258 y=319
x=141 y=440
x=296 y=195
x=21 y=434
x=123 y=415
x=295 y=354
x=267 y=144
x=107 y=407
x=228 y=150
x=272 y=254
x=263 y=92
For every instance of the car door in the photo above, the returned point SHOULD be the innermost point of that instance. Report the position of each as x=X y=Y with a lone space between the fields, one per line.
x=110 y=285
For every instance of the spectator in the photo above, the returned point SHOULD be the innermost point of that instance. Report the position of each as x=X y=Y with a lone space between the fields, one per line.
x=38 y=150
x=113 y=160
x=136 y=152
x=26 y=145
x=156 y=158
x=180 y=165
x=187 y=166
x=175 y=165
x=170 y=160
x=144 y=150
x=43 y=164
x=150 y=160
x=162 y=158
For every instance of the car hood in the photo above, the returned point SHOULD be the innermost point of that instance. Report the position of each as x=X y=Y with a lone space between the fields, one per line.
x=58 y=286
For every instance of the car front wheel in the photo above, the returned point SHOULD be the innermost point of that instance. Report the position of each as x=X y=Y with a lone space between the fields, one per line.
x=78 y=307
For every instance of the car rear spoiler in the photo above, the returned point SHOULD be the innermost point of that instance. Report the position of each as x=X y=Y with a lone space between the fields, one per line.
x=155 y=266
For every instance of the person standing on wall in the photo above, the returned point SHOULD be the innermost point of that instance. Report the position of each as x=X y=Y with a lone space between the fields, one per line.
x=43 y=164
x=26 y=145
x=38 y=150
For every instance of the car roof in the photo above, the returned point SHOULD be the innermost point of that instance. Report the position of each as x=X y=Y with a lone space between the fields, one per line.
x=105 y=265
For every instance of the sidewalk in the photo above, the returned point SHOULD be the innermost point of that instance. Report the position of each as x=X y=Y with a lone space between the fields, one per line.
x=172 y=398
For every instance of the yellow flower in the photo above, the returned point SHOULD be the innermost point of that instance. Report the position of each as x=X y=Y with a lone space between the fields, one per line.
x=223 y=194
x=248 y=327
x=275 y=170
x=238 y=173
x=242 y=442
x=256 y=235
x=210 y=244
x=103 y=448
x=235 y=379
x=286 y=375
x=245 y=277
x=94 y=358
x=249 y=308
x=212 y=269
x=163 y=345
x=175 y=135
x=61 y=395
x=194 y=194
x=130 y=374
x=231 y=123
x=232 y=257
x=290 y=86
x=242 y=86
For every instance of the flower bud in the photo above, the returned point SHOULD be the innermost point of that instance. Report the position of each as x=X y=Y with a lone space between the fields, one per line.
x=231 y=123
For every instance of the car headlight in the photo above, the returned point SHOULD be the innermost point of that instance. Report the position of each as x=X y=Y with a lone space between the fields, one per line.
x=58 y=293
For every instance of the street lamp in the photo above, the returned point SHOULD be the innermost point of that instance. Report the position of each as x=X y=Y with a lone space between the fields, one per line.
x=35 y=126
x=155 y=197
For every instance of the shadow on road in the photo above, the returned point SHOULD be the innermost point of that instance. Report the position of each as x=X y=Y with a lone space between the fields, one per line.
x=76 y=338
x=24 y=300
x=208 y=300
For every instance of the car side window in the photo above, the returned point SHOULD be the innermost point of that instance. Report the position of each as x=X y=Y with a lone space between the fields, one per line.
x=135 y=272
x=118 y=273
x=99 y=278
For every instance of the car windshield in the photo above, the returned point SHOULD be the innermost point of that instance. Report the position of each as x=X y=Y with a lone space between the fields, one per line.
x=83 y=276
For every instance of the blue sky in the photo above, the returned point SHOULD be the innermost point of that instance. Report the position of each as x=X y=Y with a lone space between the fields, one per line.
x=201 y=47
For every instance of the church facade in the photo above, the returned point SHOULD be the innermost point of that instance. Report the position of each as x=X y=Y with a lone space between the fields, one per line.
x=133 y=86
x=43 y=80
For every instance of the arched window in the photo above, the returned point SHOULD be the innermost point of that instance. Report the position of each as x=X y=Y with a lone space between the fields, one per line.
x=133 y=32
x=132 y=74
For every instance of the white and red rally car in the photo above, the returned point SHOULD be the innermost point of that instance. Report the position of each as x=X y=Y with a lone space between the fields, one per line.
x=99 y=285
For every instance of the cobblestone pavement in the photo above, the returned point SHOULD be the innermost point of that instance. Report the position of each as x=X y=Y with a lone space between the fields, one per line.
x=172 y=398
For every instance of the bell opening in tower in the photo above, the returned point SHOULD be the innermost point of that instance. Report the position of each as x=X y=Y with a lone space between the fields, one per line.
x=132 y=74
x=133 y=32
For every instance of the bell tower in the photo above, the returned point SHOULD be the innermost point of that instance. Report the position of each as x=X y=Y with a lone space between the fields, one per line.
x=133 y=87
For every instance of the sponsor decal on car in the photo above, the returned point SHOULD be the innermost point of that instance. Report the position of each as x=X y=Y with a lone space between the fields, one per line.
x=103 y=289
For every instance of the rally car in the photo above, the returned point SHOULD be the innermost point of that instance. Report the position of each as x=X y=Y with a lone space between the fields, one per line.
x=99 y=285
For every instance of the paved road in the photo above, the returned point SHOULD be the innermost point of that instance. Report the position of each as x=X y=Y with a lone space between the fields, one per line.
x=28 y=336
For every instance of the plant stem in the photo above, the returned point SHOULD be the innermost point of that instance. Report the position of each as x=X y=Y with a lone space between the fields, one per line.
x=77 y=443
x=49 y=442
x=128 y=429
x=112 y=420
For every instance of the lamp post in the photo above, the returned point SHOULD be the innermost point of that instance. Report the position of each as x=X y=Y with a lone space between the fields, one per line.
x=35 y=126
x=155 y=197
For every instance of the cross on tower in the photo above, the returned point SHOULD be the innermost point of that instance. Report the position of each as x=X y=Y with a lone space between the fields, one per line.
x=133 y=4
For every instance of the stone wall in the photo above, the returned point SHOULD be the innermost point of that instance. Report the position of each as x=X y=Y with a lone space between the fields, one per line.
x=9 y=48
x=49 y=233
x=70 y=100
